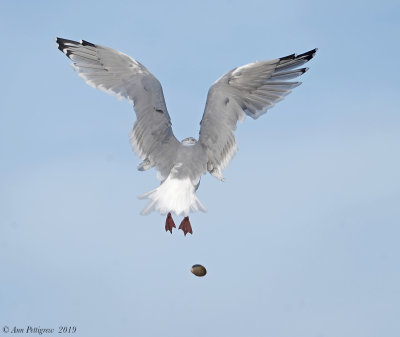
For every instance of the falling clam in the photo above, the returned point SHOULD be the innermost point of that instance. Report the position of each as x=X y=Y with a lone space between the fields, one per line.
x=198 y=270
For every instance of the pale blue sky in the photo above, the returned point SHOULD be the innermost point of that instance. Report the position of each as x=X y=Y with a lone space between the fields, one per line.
x=301 y=240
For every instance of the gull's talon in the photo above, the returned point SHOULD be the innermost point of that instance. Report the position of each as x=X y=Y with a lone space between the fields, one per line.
x=186 y=226
x=169 y=223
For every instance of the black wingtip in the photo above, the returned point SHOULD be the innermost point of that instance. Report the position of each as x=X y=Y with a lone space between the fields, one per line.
x=309 y=54
x=60 y=40
x=62 y=44
x=65 y=45
x=289 y=57
x=86 y=43
x=306 y=56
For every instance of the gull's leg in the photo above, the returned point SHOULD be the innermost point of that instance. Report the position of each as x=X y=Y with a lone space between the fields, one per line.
x=169 y=223
x=185 y=226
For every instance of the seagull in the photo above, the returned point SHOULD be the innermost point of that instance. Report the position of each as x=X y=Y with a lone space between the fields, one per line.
x=248 y=90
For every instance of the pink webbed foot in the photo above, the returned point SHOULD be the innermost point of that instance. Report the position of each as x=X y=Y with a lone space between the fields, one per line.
x=185 y=226
x=169 y=223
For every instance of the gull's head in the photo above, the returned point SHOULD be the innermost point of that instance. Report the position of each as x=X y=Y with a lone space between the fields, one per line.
x=189 y=141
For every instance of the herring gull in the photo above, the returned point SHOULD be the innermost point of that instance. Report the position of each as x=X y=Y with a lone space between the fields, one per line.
x=249 y=90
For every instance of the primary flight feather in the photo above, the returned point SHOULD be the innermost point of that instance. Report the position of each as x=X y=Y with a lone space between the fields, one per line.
x=249 y=90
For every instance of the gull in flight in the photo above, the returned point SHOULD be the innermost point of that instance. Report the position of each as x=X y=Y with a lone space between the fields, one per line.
x=249 y=90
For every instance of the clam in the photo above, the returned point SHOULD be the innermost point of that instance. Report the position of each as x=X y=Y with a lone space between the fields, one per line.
x=198 y=270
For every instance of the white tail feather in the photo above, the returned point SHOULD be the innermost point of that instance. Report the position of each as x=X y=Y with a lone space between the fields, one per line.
x=173 y=195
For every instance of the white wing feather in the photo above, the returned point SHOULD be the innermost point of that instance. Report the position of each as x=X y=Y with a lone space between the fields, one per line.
x=249 y=90
x=120 y=75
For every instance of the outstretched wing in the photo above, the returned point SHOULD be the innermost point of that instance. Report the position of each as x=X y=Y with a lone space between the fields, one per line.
x=118 y=74
x=249 y=90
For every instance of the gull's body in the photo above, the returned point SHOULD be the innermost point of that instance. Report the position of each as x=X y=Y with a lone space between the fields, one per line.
x=249 y=90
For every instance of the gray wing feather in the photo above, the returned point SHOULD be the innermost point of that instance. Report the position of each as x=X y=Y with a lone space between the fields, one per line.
x=249 y=90
x=118 y=74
